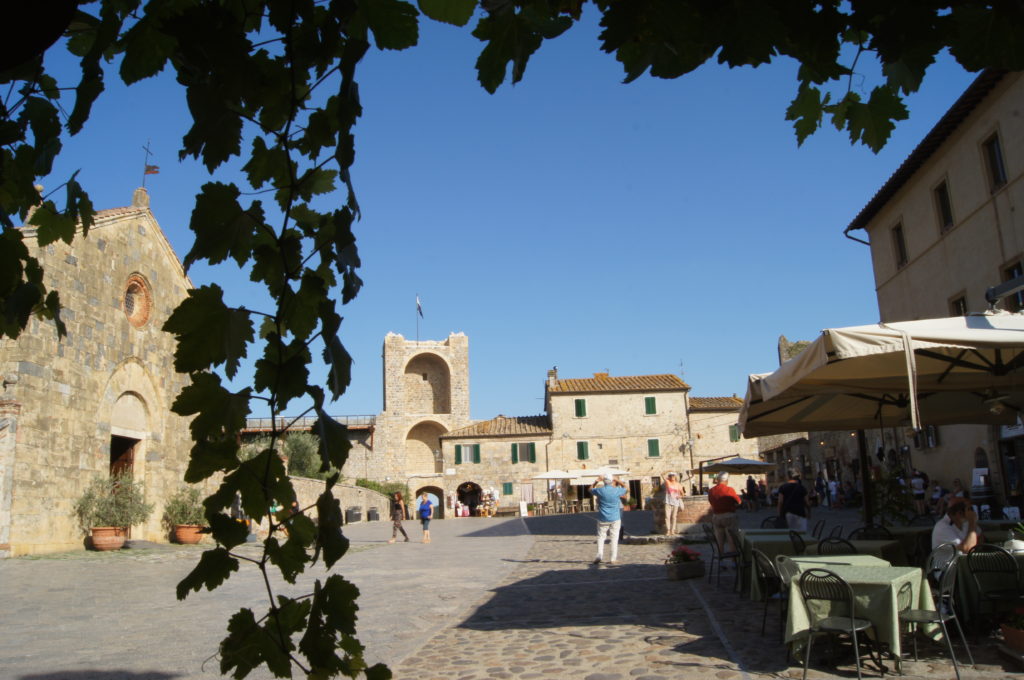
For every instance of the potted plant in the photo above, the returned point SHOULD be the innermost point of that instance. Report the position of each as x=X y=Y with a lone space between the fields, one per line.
x=108 y=507
x=684 y=562
x=530 y=509
x=627 y=502
x=184 y=515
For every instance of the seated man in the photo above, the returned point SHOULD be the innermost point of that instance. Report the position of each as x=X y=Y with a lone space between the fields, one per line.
x=958 y=526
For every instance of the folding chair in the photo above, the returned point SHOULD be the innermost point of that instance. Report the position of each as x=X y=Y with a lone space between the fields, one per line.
x=718 y=555
x=799 y=545
x=822 y=584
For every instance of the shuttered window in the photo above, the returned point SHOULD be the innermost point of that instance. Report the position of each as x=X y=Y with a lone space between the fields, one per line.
x=476 y=453
x=533 y=452
x=650 y=406
x=582 y=451
x=734 y=433
x=653 y=448
x=506 y=487
x=458 y=454
x=515 y=453
x=581 y=407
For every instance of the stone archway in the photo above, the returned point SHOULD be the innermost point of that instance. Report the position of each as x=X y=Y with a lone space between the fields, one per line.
x=471 y=495
x=436 y=495
x=428 y=384
x=423 y=449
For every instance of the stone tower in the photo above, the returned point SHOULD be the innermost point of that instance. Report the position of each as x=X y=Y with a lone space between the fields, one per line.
x=426 y=394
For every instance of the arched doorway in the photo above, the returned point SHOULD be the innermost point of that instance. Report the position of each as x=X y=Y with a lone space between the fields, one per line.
x=470 y=495
x=436 y=496
x=423 y=449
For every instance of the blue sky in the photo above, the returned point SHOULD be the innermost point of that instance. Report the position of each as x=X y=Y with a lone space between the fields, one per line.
x=571 y=220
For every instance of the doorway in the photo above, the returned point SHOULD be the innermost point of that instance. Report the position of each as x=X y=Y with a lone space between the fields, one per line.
x=122 y=455
x=635 y=493
x=469 y=495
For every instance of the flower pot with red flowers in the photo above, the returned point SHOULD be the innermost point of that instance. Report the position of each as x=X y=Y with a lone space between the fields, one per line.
x=684 y=562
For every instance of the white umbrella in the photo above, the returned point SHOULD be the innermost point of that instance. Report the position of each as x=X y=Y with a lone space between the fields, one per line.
x=554 y=474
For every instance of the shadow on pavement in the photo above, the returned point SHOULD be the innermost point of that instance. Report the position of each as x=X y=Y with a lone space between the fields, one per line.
x=635 y=523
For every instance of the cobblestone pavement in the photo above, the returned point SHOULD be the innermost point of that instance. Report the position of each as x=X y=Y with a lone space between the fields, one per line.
x=558 y=616
x=488 y=598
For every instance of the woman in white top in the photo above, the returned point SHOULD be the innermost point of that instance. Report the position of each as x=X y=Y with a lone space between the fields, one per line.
x=673 y=501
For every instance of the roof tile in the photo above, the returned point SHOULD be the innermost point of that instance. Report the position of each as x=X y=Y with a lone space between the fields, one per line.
x=602 y=382
x=504 y=426
x=715 y=403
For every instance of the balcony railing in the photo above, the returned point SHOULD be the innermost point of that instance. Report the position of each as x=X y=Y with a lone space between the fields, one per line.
x=267 y=424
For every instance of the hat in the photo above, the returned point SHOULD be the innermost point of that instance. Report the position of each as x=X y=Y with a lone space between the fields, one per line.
x=608 y=478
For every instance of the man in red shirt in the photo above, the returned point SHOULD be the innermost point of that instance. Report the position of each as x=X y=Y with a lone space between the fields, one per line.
x=724 y=502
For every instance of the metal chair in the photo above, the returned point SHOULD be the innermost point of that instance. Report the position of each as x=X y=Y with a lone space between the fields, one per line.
x=837 y=531
x=938 y=560
x=718 y=555
x=836 y=546
x=771 y=522
x=996 y=575
x=941 y=615
x=818 y=528
x=799 y=545
x=744 y=565
x=773 y=588
x=870 y=532
x=822 y=584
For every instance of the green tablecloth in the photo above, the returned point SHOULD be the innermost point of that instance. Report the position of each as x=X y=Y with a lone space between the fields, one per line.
x=969 y=603
x=771 y=545
x=874 y=591
x=914 y=541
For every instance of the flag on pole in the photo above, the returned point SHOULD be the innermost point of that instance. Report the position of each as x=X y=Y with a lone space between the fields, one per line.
x=419 y=307
x=152 y=170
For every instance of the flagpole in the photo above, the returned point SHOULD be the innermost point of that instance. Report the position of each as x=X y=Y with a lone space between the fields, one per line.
x=418 y=312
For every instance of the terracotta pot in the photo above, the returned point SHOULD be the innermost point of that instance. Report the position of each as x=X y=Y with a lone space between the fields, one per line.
x=1014 y=638
x=187 y=533
x=681 y=570
x=108 y=538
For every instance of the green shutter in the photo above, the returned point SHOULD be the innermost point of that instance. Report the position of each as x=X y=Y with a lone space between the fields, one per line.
x=458 y=454
x=582 y=452
x=650 y=406
x=515 y=453
x=581 y=408
x=533 y=452
x=476 y=453
x=653 y=448
x=506 y=488
x=734 y=433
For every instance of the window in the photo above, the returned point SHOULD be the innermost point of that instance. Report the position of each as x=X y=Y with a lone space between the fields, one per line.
x=650 y=406
x=525 y=452
x=582 y=451
x=994 y=161
x=734 y=433
x=581 y=407
x=943 y=207
x=465 y=453
x=653 y=448
x=958 y=306
x=506 y=488
x=1014 y=303
x=899 y=246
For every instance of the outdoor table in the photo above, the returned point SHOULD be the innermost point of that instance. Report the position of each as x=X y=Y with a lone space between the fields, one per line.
x=875 y=590
x=889 y=550
x=771 y=545
x=968 y=600
x=762 y=532
x=913 y=540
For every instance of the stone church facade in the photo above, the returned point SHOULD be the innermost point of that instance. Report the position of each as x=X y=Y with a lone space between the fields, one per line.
x=99 y=399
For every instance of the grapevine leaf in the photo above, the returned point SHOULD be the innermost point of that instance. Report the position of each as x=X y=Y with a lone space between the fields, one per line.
x=454 y=12
x=213 y=569
x=209 y=332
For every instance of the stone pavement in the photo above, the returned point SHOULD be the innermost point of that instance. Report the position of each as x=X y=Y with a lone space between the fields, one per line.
x=513 y=598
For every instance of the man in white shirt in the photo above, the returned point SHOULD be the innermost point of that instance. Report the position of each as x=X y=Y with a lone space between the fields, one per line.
x=958 y=526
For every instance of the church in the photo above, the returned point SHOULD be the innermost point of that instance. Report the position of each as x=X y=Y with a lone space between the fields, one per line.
x=99 y=400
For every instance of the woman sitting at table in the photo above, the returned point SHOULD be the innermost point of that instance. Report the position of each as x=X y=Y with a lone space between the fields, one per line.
x=958 y=526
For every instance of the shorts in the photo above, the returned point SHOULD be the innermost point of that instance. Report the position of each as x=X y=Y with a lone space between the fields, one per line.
x=425 y=522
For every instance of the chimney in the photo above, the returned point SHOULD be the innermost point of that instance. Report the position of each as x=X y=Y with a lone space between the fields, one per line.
x=553 y=377
x=600 y=376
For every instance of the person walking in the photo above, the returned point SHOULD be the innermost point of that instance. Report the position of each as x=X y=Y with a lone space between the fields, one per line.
x=608 y=493
x=723 y=501
x=793 y=503
x=752 y=494
x=426 y=513
x=397 y=515
x=673 y=501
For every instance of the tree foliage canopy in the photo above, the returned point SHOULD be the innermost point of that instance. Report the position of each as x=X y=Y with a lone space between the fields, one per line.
x=273 y=82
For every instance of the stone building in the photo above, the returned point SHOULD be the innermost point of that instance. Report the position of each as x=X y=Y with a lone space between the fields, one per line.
x=944 y=228
x=99 y=399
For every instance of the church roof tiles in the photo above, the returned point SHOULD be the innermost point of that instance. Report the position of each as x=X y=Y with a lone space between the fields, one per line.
x=505 y=426
x=715 y=403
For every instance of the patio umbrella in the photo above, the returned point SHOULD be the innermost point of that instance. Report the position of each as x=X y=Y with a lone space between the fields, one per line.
x=554 y=474
x=967 y=369
x=738 y=465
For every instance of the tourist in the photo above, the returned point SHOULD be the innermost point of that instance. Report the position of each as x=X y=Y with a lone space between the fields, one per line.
x=426 y=513
x=918 y=487
x=821 y=490
x=793 y=503
x=397 y=515
x=673 y=501
x=938 y=505
x=752 y=494
x=833 y=493
x=958 y=526
x=608 y=493
x=724 y=501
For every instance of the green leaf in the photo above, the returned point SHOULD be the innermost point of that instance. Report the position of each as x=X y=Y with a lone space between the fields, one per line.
x=283 y=369
x=339 y=365
x=289 y=558
x=393 y=23
x=806 y=110
x=146 y=50
x=330 y=539
x=334 y=441
x=454 y=12
x=509 y=38
x=227 y=531
x=218 y=411
x=319 y=642
x=209 y=332
x=377 y=671
x=242 y=650
x=873 y=122
x=339 y=604
x=222 y=227
x=213 y=569
x=216 y=132
x=208 y=457
x=52 y=224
